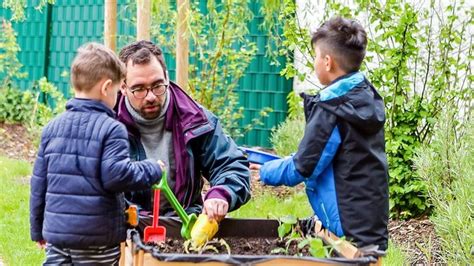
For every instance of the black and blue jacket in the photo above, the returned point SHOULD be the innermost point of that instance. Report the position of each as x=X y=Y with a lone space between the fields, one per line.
x=342 y=161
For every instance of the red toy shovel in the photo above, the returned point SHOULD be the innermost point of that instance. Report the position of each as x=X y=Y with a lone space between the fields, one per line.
x=155 y=233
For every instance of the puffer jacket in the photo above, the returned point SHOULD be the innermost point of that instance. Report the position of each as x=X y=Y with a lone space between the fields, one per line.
x=80 y=174
x=342 y=161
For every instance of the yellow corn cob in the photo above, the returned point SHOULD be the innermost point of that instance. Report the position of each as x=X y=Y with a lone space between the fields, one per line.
x=203 y=231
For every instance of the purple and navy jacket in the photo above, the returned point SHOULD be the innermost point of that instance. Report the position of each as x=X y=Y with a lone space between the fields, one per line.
x=201 y=149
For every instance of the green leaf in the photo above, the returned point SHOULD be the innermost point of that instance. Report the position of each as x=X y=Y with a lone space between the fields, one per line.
x=316 y=248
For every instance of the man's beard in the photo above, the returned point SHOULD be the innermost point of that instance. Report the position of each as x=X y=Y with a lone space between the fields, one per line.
x=151 y=115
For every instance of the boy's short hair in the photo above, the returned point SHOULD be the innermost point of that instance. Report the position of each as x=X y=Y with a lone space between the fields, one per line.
x=345 y=40
x=94 y=62
x=140 y=52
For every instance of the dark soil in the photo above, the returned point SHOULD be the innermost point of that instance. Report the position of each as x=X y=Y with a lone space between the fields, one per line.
x=416 y=236
x=241 y=246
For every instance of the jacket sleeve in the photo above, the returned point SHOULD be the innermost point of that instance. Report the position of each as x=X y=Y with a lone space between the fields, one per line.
x=38 y=184
x=319 y=144
x=225 y=166
x=280 y=172
x=316 y=151
x=118 y=172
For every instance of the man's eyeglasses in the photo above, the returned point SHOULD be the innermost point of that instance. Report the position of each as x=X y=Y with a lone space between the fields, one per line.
x=141 y=92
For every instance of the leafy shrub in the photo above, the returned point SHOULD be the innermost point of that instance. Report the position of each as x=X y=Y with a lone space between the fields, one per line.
x=287 y=136
x=24 y=107
x=16 y=106
x=10 y=66
x=446 y=167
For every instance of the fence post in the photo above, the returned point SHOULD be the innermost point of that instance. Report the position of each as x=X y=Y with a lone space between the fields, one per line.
x=182 y=44
x=143 y=20
x=110 y=23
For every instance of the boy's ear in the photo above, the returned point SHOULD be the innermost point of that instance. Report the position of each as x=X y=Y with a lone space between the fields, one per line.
x=328 y=63
x=106 y=87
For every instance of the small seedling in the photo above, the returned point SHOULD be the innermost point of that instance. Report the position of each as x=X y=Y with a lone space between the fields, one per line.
x=290 y=230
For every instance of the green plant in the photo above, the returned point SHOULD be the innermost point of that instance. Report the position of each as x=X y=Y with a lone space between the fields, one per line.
x=295 y=105
x=316 y=247
x=291 y=232
x=396 y=256
x=10 y=66
x=219 y=56
x=15 y=105
x=446 y=166
x=18 y=7
x=25 y=107
x=427 y=251
x=418 y=56
x=287 y=35
x=52 y=105
x=287 y=135
x=286 y=226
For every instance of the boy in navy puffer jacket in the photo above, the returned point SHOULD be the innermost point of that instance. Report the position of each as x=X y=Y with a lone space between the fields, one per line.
x=83 y=167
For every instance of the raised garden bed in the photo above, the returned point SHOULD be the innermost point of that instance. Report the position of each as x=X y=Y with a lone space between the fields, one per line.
x=249 y=241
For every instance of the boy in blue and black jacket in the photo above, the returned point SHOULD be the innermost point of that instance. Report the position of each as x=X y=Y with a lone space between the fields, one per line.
x=77 y=206
x=341 y=157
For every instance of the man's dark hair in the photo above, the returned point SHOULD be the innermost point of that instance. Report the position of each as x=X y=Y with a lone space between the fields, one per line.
x=343 y=39
x=140 y=52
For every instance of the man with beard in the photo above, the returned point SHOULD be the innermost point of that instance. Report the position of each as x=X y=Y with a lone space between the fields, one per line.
x=164 y=123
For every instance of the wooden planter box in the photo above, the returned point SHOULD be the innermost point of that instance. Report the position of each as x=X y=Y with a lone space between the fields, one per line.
x=136 y=253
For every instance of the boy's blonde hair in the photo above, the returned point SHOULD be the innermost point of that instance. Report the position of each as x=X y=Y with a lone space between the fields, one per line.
x=94 y=62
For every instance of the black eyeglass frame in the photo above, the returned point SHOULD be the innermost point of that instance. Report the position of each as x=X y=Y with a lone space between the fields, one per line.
x=148 y=89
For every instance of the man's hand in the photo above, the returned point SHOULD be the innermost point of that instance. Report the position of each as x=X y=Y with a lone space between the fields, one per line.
x=215 y=209
x=41 y=244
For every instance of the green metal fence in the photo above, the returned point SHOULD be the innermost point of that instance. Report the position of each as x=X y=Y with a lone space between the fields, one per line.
x=31 y=36
x=49 y=39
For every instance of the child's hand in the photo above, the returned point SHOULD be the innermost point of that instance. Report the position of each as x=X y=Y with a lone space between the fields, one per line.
x=255 y=167
x=255 y=171
x=162 y=165
x=41 y=244
x=215 y=209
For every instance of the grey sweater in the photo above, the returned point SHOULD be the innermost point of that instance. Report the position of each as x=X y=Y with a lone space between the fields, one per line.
x=157 y=142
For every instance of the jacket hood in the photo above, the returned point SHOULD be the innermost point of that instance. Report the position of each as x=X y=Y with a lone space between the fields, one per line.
x=354 y=99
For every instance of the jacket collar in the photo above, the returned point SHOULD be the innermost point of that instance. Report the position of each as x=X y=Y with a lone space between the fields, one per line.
x=87 y=105
x=341 y=86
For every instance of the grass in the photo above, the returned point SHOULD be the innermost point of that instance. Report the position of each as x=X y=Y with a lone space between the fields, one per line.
x=446 y=167
x=267 y=205
x=395 y=256
x=16 y=248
